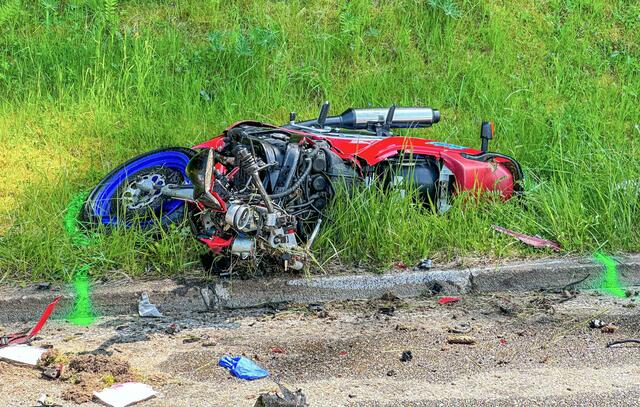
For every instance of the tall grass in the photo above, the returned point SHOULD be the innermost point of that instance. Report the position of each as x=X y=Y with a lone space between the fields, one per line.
x=86 y=84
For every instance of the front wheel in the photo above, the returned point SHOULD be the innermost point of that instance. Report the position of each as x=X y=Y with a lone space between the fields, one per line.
x=118 y=199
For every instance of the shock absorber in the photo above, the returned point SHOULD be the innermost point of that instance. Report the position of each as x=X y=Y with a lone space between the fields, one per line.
x=248 y=163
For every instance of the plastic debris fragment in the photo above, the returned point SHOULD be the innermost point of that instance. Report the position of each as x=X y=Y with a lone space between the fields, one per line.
x=28 y=355
x=447 y=300
x=24 y=337
x=534 y=241
x=146 y=309
x=242 y=367
x=125 y=394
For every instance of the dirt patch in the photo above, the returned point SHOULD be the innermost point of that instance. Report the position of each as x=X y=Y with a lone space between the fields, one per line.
x=100 y=364
x=84 y=373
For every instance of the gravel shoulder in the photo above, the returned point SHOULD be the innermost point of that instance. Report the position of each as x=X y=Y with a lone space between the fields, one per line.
x=530 y=349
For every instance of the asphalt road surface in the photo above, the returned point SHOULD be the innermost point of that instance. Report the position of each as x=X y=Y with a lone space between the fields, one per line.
x=528 y=349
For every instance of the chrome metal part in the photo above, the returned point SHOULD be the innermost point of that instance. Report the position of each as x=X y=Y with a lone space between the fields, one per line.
x=143 y=191
x=444 y=181
x=243 y=247
x=402 y=116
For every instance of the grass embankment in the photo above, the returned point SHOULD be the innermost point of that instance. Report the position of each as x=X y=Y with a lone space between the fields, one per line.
x=86 y=84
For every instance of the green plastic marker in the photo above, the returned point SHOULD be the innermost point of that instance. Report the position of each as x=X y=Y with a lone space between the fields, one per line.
x=82 y=313
x=71 y=220
x=610 y=283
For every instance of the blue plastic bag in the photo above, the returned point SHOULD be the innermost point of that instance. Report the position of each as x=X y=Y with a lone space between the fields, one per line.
x=243 y=368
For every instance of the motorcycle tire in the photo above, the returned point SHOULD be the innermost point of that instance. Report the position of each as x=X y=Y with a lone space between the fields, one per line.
x=117 y=201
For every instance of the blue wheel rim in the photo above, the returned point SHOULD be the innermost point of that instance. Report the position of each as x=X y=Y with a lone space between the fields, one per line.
x=102 y=203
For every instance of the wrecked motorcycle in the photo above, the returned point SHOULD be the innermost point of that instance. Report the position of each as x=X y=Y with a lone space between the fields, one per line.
x=259 y=190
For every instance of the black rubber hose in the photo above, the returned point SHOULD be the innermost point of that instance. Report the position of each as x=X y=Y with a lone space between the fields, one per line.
x=309 y=160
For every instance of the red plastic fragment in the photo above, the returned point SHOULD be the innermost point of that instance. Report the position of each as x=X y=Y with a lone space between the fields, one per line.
x=216 y=243
x=45 y=315
x=23 y=337
x=277 y=350
x=343 y=353
x=447 y=300
x=534 y=241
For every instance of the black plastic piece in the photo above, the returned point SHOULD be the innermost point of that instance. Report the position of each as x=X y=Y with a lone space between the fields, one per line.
x=324 y=112
x=486 y=134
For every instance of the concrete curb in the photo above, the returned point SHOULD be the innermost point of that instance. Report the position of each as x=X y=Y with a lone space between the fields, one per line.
x=120 y=297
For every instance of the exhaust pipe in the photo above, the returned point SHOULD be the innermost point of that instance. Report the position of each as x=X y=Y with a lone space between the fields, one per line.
x=403 y=118
x=369 y=119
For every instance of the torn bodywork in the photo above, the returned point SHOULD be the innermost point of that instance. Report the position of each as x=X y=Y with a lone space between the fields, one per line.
x=258 y=191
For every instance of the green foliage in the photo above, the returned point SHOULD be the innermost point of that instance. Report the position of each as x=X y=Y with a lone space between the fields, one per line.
x=9 y=10
x=87 y=84
x=108 y=15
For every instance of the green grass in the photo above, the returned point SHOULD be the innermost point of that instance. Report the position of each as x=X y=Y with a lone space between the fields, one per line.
x=86 y=84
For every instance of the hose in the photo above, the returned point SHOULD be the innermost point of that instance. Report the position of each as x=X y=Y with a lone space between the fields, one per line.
x=309 y=160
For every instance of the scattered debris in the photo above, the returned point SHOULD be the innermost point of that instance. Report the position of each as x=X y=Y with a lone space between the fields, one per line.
x=208 y=344
x=433 y=288
x=288 y=399
x=597 y=324
x=344 y=353
x=242 y=367
x=86 y=373
x=146 y=309
x=277 y=350
x=323 y=314
x=191 y=339
x=424 y=264
x=390 y=311
x=406 y=356
x=461 y=328
x=614 y=344
x=319 y=310
x=125 y=394
x=447 y=300
x=315 y=307
x=43 y=286
x=609 y=329
x=534 y=241
x=24 y=337
x=172 y=329
x=28 y=355
x=461 y=339
x=52 y=372
x=389 y=296
x=47 y=401
x=508 y=308
x=391 y=373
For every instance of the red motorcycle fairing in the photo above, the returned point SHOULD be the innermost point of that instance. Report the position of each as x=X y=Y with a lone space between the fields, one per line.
x=469 y=174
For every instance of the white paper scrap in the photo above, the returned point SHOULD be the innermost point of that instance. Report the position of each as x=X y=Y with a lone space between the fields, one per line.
x=22 y=354
x=125 y=394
